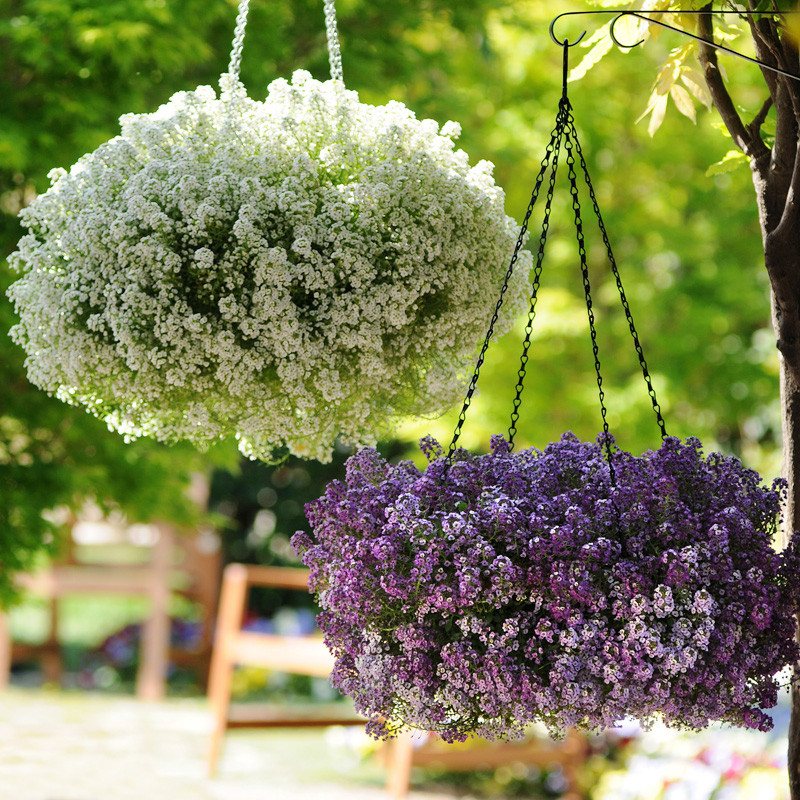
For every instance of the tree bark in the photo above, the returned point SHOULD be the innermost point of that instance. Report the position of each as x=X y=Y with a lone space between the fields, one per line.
x=781 y=235
x=780 y=227
x=789 y=350
x=776 y=178
x=790 y=408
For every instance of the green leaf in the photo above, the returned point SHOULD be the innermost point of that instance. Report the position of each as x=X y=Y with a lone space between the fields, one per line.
x=601 y=46
x=657 y=114
x=693 y=80
x=731 y=160
x=683 y=102
x=667 y=76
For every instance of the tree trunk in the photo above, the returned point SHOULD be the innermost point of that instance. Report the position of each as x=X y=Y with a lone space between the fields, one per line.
x=785 y=298
x=790 y=412
x=776 y=177
x=781 y=237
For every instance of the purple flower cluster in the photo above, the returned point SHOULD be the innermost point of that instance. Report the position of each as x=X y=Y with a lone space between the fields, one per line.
x=519 y=587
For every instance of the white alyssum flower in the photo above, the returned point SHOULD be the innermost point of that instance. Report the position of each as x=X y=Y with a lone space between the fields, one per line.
x=287 y=271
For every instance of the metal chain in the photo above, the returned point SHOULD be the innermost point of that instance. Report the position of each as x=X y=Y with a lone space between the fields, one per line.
x=569 y=145
x=556 y=135
x=566 y=133
x=238 y=42
x=628 y=315
x=554 y=138
x=334 y=53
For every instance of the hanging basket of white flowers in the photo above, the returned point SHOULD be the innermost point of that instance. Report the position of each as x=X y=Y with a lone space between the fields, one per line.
x=288 y=271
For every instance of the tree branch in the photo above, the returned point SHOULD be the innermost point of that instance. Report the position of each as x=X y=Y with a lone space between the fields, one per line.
x=761 y=117
x=784 y=175
x=765 y=52
x=790 y=218
x=719 y=93
x=758 y=120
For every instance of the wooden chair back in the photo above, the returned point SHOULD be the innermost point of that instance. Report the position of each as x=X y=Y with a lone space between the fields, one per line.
x=302 y=655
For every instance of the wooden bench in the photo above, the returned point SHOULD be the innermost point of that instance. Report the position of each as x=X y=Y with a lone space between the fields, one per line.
x=309 y=656
x=177 y=563
x=301 y=655
x=407 y=751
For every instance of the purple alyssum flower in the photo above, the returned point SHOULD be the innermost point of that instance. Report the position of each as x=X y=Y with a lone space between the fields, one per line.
x=517 y=587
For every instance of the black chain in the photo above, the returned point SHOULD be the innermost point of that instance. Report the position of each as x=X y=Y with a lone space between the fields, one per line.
x=555 y=138
x=628 y=315
x=558 y=132
x=569 y=145
x=566 y=133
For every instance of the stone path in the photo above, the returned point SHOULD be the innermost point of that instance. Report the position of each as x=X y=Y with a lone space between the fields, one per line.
x=73 y=746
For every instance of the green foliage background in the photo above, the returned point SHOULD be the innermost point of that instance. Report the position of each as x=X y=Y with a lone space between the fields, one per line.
x=688 y=245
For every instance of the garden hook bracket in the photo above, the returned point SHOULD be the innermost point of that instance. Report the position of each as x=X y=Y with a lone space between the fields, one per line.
x=618 y=14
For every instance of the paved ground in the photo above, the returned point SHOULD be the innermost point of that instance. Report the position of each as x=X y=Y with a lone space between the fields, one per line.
x=73 y=746
x=78 y=746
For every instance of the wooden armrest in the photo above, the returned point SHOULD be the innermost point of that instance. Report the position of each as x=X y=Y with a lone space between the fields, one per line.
x=276 y=577
x=302 y=655
x=68 y=579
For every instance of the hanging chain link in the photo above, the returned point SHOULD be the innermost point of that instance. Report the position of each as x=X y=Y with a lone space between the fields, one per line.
x=555 y=146
x=618 y=279
x=555 y=137
x=235 y=63
x=564 y=133
x=569 y=146
x=334 y=53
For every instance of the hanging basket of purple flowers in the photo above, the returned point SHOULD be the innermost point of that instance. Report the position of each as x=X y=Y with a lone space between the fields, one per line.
x=572 y=586
x=516 y=587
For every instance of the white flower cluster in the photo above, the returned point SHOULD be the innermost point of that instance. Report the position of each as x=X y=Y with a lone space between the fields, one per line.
x=288 y=271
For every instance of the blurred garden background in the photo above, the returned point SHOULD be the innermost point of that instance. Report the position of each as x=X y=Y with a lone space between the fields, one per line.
x=684 y=230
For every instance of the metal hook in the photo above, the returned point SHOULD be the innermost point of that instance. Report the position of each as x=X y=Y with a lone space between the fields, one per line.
x=566 y=42
x=612 y=32
x=619 y=13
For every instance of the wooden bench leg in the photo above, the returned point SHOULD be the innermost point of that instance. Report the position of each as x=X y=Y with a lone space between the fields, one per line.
x=233 y=598
x=5 y=652
x=574 y=755
x=401 y=751
x=219 y=693
x=154 y=648
x=52 y=665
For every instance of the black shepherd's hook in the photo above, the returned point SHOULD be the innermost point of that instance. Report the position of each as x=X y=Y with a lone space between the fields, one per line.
x=640 y=14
